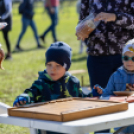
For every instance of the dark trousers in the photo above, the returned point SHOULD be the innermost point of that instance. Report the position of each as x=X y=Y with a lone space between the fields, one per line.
x=100 y=68
x=5 y=35
x=49 y=132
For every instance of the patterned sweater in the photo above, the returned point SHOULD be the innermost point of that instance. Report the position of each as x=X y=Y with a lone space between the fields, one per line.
x=45 y=89
x=109 y=38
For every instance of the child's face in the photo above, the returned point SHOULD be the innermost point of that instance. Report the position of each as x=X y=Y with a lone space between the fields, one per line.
x=128 y=64
x=55 y=70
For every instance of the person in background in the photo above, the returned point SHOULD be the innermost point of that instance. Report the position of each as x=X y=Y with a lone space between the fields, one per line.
x=6 y=16
x=26 y=10
x=55 y=81
x=122 y=79
x=51 y=7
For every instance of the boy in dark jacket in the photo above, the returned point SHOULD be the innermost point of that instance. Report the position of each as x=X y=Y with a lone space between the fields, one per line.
x=55 y=81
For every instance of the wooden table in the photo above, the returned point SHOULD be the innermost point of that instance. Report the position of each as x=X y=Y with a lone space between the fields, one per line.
x=82 y=126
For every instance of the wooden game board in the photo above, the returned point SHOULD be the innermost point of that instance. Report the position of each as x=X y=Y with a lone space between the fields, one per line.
x=68 y=109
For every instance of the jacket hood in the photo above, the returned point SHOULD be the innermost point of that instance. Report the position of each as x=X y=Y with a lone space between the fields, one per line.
x=122 y=71
x=45 y=76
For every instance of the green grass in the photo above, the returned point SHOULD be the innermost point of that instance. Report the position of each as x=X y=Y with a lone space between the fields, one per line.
x=23 y=69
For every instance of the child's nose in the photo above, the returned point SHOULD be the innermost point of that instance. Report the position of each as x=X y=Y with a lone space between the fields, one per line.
x=130 y=61
x=53 y=68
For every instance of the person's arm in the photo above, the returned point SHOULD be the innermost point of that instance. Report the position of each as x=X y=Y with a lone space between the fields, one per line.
x=8 y=6
x=34 y=92
x=48 y=2
x=30 y=95
x=124 y=20
x=109 y=88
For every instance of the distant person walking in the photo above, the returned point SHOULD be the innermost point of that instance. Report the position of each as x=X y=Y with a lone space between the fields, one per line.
x=26 y=9
x=51 y=7
x=6 y=16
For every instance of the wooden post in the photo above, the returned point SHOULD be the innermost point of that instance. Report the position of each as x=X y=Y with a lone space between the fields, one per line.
x=82 y=82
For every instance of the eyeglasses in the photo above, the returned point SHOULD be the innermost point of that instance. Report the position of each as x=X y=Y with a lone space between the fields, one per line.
x=126 y=58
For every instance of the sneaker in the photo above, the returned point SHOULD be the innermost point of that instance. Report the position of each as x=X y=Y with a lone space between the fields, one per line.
x=8 y=57
x=42 y=38
x=40 y=46
x=18 y=48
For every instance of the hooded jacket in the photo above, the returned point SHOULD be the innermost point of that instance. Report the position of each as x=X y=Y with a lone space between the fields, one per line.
x=109 y=38
x=118 y=81
x=26 y=8
x=45 y=89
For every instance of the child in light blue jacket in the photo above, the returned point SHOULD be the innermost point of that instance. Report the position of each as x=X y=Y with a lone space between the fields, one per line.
x=122 y=79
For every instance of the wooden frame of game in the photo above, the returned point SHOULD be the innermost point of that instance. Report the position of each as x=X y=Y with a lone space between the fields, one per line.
x=68 y=109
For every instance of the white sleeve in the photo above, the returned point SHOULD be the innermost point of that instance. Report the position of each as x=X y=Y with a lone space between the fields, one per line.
x=8 y=6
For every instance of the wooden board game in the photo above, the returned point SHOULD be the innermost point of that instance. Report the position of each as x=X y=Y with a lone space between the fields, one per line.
x=68 y=109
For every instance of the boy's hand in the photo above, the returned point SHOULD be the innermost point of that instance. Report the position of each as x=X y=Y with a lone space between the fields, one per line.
x=130 y=87
x=98 y=88
x=20 y=100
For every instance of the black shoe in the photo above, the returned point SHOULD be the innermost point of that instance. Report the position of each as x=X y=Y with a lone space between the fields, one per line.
x=40 y=46
x=8 y=57
x=18 y=48
x=42 y=38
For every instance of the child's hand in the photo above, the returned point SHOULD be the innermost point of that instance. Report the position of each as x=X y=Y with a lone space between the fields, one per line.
x=130 y=87
x=98 y=88
x=19 y=101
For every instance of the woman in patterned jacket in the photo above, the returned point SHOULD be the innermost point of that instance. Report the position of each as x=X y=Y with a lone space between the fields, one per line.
x=105 y=43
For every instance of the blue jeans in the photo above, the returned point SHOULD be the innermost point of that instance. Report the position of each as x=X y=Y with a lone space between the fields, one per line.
x=54 y=22
x=25 y=23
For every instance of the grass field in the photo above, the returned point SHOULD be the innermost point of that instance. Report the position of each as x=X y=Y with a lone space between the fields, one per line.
x=23 y=69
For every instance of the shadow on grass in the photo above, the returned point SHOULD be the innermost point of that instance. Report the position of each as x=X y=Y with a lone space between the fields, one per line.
x=27 y=50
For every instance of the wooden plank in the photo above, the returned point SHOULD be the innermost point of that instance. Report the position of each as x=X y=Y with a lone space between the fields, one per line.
x=77 y=71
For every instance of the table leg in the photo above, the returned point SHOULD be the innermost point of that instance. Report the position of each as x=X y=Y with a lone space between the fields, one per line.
x=119 y=130
x=33 y=131
x=43 y=132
